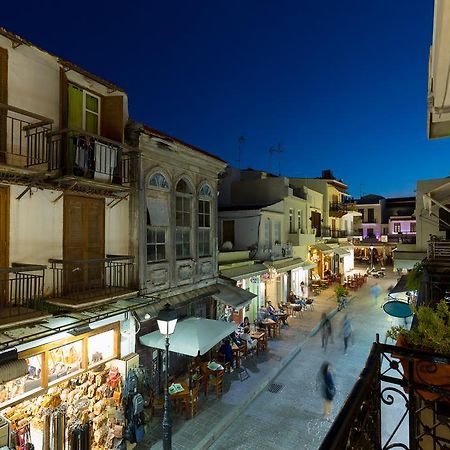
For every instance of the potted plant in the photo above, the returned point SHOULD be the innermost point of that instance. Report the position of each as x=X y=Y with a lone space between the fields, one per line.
x=430 y=334
x=340 y=291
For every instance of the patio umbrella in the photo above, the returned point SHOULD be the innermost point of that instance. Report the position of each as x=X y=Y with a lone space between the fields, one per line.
x=192 y=336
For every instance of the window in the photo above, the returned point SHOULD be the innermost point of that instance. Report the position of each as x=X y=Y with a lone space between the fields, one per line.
x=371 y=215
x=158 y=180
x=299 y=221
x=156 y=244
x=277 y=232
x=412 y=227
x=397 y=228
x=361 y=211
x=267 y=234
x=291 y=221
x=84 y=110
x=204 y=221
x=183 y=219
x=100 y=347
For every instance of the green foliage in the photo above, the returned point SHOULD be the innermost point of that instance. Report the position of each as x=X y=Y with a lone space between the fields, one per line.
x=432 y=331
x=414 y=277
x=340 y=291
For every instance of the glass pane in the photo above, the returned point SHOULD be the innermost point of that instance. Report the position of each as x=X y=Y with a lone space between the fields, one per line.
x=161 y=252
x=101 y=347
x=161 y=237
x=91 y=103
x=64 y=360
x=13 y=390
x=207 y=221
x=151 y=253
x=179 y=219
x=91 y=123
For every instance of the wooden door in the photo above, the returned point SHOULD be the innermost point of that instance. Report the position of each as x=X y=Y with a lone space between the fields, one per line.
x=4 y=243
x=3 y=99
x=228 y=231
x=84 y=240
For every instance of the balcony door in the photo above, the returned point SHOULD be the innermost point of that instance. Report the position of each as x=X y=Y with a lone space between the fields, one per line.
x=3 y=99
x=84 y=240
x=4 y=243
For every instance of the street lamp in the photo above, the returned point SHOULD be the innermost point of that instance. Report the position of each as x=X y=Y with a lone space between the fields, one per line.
x=371 y=258
x=167 y=319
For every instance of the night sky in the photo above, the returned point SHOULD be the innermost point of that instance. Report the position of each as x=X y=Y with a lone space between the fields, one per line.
x=338 y=84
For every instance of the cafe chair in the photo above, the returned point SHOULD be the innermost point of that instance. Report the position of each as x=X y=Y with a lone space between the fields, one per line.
x=156 y=405
x=216 y=382
x=190 y=404
x=220 y=358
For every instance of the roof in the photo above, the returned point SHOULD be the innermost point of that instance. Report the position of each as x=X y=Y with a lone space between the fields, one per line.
x=21 y=41
x=156 y=133
x=244 y=207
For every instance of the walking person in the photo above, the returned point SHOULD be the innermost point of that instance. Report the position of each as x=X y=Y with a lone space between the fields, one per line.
x=327 y=387
x=346 y=331
x=326 y=331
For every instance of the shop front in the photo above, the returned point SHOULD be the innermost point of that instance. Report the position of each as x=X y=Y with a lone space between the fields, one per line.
x=322 y=256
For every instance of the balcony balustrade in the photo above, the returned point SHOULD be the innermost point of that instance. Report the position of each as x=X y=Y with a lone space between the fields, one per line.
x=21 y=292
x=439 y=249
x=338 y=209
x=89 y=156
x=333 y=233
x=386 y=409
x=77 y=282
x=23 y=138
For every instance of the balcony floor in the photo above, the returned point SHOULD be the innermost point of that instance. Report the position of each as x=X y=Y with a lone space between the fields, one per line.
x=20 y=316
x=95 y=298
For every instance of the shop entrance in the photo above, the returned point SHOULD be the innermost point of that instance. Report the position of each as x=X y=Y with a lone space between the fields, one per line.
x=84 y=240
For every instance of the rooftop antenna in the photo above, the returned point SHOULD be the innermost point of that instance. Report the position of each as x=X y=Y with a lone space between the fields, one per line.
x=278 y=150
x=240 y=144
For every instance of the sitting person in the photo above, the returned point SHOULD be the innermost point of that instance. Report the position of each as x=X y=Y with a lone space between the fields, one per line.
x=292 y=297
x=262 y=314
x=271 y=310
x=245 y=323
x=226 y=350
x=235 y=337
x=245 y=336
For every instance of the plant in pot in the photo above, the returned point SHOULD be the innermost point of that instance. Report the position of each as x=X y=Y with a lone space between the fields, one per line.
x=340 y=291
x=430 y=334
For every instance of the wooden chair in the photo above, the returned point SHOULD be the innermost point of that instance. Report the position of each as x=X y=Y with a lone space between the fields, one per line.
x=216 y=382
x=220 y=358
x=190 y=404
x=156 y=405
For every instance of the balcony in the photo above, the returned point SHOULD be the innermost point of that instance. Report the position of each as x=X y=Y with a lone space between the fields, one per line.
x=402 y=238
x=83 y=157
x=78 y=283
x=301 y=238
x=21 y=294
x=278 y=251
x=332 y=233
x=387 y=410
x=23 y=140
x=439 y=250
x=339 y=209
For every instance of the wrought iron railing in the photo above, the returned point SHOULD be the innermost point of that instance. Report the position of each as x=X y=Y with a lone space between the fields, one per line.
x=342 y=207
x=87 y=155
x=331 y=232
x=89 y=278
x=23 y=137
x=21 y=289
x=439 y=249
x=395 y=403
x=402 y=238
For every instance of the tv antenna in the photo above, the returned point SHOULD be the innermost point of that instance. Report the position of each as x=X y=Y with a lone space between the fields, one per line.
x=240 y=144
x=278 y=150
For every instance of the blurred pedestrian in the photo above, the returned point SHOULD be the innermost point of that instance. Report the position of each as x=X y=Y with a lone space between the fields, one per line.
x=375 y=291
x=328 y=388
x=347 y=331
x=326 y=331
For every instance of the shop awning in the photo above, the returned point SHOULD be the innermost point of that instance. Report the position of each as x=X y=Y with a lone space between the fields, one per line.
x=341 y=252
x=192 y=336
x=238 y=273
x=286 y=265
x=407 y=260
x=399 y=290
x=12 y=370
x=233 y=296
x=306 y=265
x=176 y=301
x=324 y=248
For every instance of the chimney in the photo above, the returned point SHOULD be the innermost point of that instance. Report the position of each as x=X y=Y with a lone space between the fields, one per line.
x=327 y=174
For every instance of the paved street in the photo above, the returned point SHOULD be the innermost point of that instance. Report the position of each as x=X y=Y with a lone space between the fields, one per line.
x=247 y=416
x=292 y=418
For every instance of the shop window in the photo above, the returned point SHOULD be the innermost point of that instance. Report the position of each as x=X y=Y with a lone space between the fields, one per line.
x=183 y=206
x=101 y=347
x=64 y=360
x=20 y=387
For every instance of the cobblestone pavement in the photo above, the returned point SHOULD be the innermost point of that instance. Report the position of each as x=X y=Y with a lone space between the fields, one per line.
x=291 y=418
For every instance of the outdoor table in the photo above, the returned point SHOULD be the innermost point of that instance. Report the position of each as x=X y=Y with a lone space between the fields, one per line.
x=238 y=352
x=177 y=397
x=270 y=325
x=260 y=337
x=207 y=372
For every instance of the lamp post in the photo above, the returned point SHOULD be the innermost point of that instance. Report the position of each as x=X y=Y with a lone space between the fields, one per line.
x=371 y=258
x=167 y=319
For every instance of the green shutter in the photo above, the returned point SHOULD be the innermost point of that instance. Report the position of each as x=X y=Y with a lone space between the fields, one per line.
x=75 y=116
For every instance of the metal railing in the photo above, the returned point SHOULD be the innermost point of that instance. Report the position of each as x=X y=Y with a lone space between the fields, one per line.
x=21 y=289
x=342 y=206
x=82 y=154
x=395 y=403
x=438 y=249
x=330 y=232
x=23 y=137
x=402 y=238
x=89 y=278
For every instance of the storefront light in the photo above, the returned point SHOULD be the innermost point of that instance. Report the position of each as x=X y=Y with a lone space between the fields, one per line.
x=167 y=320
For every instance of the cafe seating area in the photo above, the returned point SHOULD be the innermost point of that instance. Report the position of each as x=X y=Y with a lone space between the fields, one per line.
x=355 y=281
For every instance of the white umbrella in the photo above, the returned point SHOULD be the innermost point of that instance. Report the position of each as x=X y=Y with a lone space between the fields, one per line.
x=192 y=336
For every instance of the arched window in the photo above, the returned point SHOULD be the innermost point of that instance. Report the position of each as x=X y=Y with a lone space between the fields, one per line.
x=204 y=221
x=158 y=180
x=183 y=219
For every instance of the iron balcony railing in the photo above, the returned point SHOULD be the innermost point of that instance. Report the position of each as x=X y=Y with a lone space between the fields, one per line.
x=342 y=207
x=86 y=155
x=23 y=137
x=438 y=249
x=387 y=409
x=402 y=238
x=89 y=278
x=21 y=289
x=330 y=232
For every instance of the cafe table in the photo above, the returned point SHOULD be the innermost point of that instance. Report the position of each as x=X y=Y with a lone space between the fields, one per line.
x=207 y=372
x=260 y=337
x=271 y=326
x=177 y=397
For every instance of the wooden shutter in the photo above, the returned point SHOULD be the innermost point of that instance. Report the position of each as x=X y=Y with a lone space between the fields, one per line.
x=3 y=99
x=4 y=226
x=63 y=99
x=111 y=121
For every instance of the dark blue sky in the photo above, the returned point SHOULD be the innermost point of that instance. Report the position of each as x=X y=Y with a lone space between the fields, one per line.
x=339 y=84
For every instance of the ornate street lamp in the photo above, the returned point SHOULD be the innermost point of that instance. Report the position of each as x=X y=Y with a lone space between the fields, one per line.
x=167 y=319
